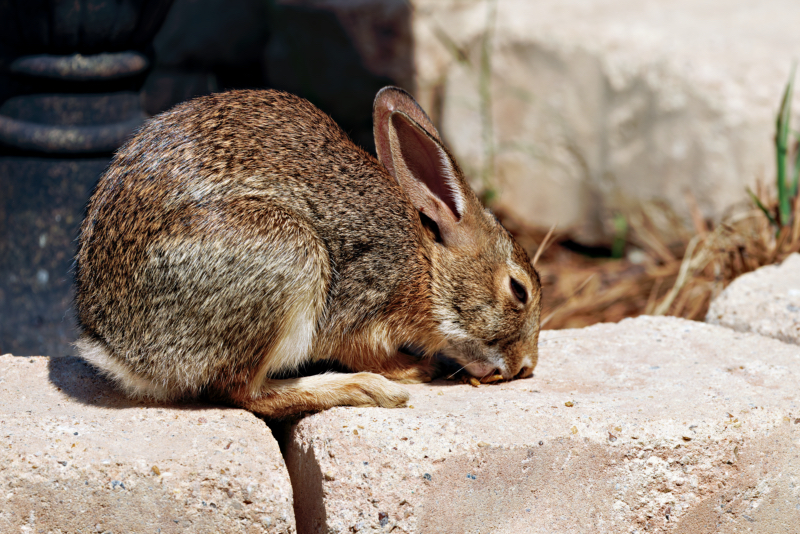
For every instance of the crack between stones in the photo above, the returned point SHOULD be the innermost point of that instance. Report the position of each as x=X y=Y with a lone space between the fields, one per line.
x=306 y=478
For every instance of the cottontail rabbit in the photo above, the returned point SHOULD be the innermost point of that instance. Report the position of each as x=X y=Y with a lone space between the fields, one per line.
x=241 y=235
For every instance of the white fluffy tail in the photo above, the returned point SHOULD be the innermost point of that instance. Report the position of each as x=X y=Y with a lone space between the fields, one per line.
x=96 y=353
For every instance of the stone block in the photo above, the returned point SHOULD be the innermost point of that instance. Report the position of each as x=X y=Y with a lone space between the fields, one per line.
x=765 y=301
x=649 y=425
x=594 y=106
x=78 y=457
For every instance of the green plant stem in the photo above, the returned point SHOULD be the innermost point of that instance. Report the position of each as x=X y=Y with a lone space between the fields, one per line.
x=781 y=149
x=620 y=235
x=796 y=175
x=485 y=91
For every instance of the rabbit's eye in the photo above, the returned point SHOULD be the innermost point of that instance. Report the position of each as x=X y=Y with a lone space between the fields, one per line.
x=518 y=290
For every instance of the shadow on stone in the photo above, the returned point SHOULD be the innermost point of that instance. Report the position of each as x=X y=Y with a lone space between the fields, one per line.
x=306 y=477
x=85 y=384
x=307 y=480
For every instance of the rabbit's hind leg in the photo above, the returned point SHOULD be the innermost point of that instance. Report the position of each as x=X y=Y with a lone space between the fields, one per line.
x=281 y=398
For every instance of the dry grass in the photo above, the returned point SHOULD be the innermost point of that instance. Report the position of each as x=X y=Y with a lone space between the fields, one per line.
x=676 y=275
x=669 y=270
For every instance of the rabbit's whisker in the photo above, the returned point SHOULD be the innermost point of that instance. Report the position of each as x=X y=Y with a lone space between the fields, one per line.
x=457 y=371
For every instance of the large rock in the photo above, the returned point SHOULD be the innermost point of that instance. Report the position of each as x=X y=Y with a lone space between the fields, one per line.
x=602 y=105
x=77 y=457
x=649 y=425
x=766 y=301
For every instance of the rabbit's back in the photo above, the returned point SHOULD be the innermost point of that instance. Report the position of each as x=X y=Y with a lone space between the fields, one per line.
x=230 y=221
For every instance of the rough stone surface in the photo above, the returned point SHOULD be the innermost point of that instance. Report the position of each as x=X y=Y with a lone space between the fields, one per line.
x=766 y=301
x=77 y=457
x=649 y=425
x=599 y=105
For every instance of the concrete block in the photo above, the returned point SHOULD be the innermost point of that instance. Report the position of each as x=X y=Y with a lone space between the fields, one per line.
x=765 y=301
x=649 y=425
x=78 y=457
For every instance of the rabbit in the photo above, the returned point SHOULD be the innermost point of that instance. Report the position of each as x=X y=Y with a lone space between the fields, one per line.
x=242 y=235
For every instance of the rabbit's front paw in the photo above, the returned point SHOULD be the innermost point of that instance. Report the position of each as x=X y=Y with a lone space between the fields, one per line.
x=369 y=389
x=287 y=397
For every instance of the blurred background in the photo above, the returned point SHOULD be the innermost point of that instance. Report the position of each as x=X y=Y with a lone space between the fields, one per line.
x=616 y=138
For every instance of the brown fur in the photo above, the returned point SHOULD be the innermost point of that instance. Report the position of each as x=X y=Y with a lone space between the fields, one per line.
x=241 y=235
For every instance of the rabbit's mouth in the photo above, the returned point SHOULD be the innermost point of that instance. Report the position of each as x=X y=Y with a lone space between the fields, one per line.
x=478 y=360
x=481 y=369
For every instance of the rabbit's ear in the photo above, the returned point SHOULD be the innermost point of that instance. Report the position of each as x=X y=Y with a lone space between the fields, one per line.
x=429 y=176
x=387 y=101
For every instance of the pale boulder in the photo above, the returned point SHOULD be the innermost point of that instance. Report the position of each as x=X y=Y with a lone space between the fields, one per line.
x=605 y=105
x=650 y=425
x=78 y=457
x=765 y=301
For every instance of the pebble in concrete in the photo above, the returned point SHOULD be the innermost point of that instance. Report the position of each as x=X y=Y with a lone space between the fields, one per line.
x=766 y=301
x=78 y=457
x=649 y=425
